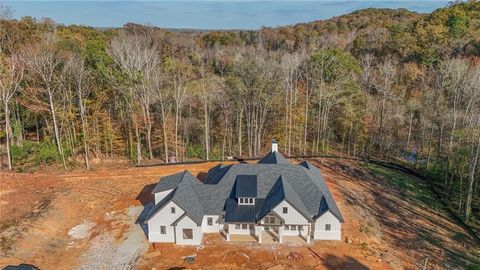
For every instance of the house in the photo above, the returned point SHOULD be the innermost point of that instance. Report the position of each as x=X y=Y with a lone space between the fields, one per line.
x=270 y=201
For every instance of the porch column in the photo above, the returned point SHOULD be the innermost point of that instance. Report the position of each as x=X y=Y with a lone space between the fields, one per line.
x=226 y=230
x=280 y=234
x=260 y=236
x=309 y=232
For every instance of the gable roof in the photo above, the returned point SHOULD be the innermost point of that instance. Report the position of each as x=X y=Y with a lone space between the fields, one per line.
x=246 y=186
x=172 y=181
x=157 y=207
x=186 y=198
x=183 y=195
x=301 y=185
x=273 y=158
x=327 y=202
x=281 y=191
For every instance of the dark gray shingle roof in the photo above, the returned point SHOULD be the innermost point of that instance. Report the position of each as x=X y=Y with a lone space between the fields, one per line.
x=281 y=191
x=302 y=185
x=273 y=158
x=172 y=181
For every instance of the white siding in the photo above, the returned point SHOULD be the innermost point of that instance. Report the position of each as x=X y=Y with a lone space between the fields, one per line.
x=216 y=226
x=160 y=195
x=258 y=230
x=292 y=216
x=187 y=223
x=164 y=217
x=304 y=232
x=232 y=230
x=335 y=232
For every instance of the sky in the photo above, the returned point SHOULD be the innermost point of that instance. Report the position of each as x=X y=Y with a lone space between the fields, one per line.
x=202 y=14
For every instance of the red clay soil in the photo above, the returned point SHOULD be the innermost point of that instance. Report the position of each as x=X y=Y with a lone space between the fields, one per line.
x=382 y=231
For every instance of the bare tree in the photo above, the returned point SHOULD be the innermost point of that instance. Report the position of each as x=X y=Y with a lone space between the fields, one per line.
x=179 y=79
x=136 y=55
x=290 y=64
x=46 y=64
x=163 y=96
x=81 y=76
x=11 y=75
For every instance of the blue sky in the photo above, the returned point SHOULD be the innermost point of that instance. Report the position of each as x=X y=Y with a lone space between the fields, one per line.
x=202 y=14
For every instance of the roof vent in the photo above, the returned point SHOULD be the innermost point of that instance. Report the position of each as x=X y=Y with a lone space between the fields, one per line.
x=274 y=145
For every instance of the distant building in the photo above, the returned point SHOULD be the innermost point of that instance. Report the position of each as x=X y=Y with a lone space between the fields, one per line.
x=271 y=201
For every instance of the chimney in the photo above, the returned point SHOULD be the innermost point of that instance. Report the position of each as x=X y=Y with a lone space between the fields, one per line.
x=274 y=145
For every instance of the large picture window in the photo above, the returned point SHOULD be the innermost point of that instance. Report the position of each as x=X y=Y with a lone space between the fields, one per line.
x=187 y=234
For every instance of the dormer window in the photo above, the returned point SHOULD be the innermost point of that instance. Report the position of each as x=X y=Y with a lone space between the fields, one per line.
x=246 y=201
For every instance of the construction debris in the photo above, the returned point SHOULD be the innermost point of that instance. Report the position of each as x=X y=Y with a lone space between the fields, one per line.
x=190 y=258
x=245 y=255
x=295 y=256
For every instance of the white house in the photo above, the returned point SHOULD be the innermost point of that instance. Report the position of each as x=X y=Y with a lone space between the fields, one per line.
x=272 y=200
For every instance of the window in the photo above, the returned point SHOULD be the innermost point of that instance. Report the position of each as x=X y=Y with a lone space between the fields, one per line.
x=172 y=210
x=250 y=226
x=237 y=226
x=270 y=220
x=163 y=230
x=287 y=227
x=293 y=227
x=187 y=234
x=246 y=201
x=328 y=227
x=209 y=221
x=300 y=228
x=244 y=226
x=285 y=210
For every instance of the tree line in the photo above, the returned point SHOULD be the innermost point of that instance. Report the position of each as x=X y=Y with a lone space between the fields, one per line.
x=386 y=83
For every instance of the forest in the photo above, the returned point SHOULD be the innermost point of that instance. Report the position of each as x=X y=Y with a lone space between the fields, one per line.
x=388 y=84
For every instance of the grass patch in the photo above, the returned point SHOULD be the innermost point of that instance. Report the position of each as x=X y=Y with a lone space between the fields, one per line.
x=411 y=187
x=367 y=228
x=474 y=267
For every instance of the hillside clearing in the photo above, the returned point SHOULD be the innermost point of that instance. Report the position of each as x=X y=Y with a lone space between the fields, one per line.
x=392 y=222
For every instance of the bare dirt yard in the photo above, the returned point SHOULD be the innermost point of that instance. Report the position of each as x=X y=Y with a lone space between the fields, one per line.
x=89 y=220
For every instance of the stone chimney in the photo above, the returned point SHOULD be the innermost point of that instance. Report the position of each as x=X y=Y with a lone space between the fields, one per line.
x=274 y=145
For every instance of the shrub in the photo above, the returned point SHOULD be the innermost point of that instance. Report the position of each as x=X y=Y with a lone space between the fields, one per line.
x=473 y=267
x=21 y=152
x=46 y=153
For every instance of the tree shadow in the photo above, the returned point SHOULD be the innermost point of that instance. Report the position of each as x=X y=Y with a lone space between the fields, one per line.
x=407 y=222
x=147 y=199
x=145 y=196
x=333 y=262
x=202 y=176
